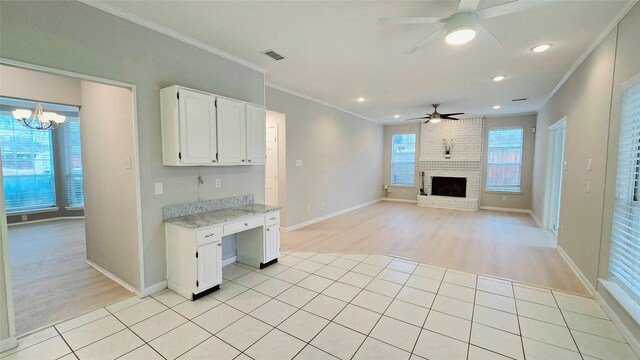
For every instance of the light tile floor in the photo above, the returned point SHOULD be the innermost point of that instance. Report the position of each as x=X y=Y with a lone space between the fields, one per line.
x=347 y=306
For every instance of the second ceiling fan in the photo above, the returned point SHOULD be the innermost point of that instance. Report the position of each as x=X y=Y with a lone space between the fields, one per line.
x=435 y=117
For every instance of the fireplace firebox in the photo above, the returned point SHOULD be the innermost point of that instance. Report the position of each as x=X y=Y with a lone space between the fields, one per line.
x=449 y=186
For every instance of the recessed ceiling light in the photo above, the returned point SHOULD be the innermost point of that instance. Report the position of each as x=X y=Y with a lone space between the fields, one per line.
x=498 y=78
x=496 y=107
x=541 y=48
x=361 y=99
x=396 y=116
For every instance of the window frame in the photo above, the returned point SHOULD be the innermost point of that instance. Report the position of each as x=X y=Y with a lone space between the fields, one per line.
x=413 y=179
x=487 y=163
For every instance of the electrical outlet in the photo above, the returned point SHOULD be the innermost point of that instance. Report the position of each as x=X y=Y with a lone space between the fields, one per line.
x=308 y=207
x=562 y=229
x=218 y=183
x=159 y=188
x=588 y=186
x=127 y=163
x=299 y=163
x=589 y=165
x=24 y=217
x=323 y=204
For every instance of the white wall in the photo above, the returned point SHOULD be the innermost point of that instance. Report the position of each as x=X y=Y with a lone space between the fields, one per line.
x=76 y=37
x=341 y=154
x=110 y=199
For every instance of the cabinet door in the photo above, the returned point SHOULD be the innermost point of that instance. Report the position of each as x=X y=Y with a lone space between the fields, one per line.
x=231 y=132
x=197 y=118
x=209 y=265
x=256 y=125
x=271 y=242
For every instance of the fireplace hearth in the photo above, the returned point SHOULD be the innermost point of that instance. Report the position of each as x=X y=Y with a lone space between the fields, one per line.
x=449 y=186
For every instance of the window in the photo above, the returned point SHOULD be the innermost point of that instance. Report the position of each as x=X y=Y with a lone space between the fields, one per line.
x=27 y=164
x=73 y=162
x=403 y=159
x=504 y=159
x=624 y=256
x=29 y=159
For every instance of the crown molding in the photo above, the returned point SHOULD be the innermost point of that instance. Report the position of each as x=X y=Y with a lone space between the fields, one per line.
x=590 y=49
x=310 y=98
x=100 y=5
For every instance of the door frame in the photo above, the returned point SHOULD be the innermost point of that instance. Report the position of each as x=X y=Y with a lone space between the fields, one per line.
x=548 y=201
x=4 y=241
x=277 y=165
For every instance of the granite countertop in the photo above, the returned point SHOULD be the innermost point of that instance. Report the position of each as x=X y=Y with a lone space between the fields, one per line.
x=221 y=216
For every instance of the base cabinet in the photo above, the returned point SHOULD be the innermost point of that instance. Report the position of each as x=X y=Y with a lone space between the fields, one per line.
x=271 y=243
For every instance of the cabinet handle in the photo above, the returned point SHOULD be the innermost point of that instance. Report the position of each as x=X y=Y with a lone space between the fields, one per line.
x=214 y=160
x=219 y=244
x=243 y=160
x=246 y=224
x=249 y=160
x=268 y=229
x=210 y=235
x=273 y=218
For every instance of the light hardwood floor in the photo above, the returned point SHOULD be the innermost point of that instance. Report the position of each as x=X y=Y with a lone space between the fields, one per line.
x=51 y=281
x=508 y=245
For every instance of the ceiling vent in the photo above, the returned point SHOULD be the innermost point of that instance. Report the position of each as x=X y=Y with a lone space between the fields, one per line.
x=274 y=55
x=520 y=99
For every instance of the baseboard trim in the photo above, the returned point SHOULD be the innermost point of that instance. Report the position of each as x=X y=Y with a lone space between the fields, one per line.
x=155 y=288
x=8 y=343
x=536 y=219
x=45 y=220
x=113 y=277
x=322 y=218
x=229 y=261
x=493 y=208
x=633 y=341
x=577 y=271
x=400 y=200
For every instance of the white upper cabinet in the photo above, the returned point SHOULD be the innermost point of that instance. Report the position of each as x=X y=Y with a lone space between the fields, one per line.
x=188 y=127
x=231 y=132
x=202 y=129
x=256 y=127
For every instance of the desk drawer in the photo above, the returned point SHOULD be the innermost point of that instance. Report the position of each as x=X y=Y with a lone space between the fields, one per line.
x=272 y=218
x=208 y=236
x=244 y=225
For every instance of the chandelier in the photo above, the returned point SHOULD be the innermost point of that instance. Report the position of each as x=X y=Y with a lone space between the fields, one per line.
x=41 y=120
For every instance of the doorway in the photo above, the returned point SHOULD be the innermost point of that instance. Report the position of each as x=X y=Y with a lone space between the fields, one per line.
x=555 y=168
x=64 y=255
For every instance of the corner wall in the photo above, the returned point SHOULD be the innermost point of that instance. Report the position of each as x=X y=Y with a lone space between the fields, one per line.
x=341 y=154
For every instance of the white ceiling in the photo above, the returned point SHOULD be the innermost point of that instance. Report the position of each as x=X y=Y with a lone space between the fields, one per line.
x=337 y=51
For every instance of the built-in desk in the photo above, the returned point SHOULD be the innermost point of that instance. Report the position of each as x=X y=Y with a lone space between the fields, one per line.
x=194 y=245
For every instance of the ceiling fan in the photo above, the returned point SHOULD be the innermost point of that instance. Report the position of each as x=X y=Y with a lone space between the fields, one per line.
x=462 y=26
x=435 y=117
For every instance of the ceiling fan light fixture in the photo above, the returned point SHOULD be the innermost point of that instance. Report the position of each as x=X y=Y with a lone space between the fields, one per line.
x=461 y=28
x=396 y=116
x=434 y=121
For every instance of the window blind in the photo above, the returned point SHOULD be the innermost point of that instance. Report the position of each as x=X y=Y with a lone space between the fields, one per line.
x=403 y=159
x=504 y=159
x=27 y=164
x=73 y=162
x=624 y=262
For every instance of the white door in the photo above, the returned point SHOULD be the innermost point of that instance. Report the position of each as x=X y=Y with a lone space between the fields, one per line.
x=271 y=243
x=197 y=127
x=271 y=166
x=209 y=265
x=558 y=167
x=256 y=122
x=231 y=132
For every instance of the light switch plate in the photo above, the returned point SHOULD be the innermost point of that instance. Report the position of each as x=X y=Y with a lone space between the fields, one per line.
x=218 y=183
x=127 y=163
x=159 y=188
x=299 y=163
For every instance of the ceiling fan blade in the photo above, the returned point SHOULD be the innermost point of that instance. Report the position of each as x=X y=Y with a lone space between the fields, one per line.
x=449 y=118
x=510 y=8
x=420 y=118
x=452 y=114
x=467 y=5
x=485 y=37
x=410 y=20
x=424 y=41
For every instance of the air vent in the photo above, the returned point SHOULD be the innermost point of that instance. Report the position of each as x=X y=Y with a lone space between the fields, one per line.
x=274 y=55
x=520 y=99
